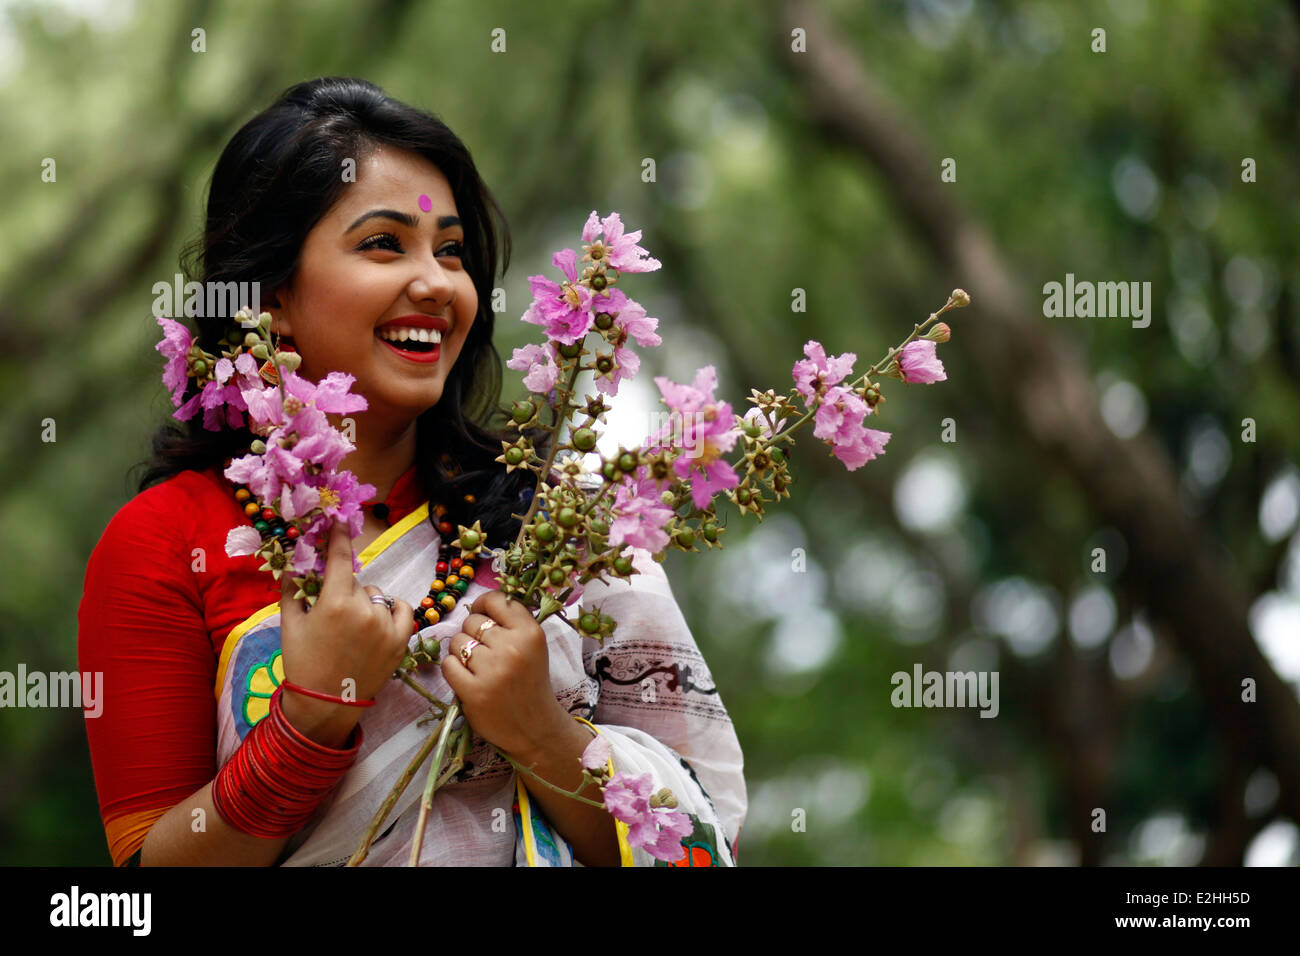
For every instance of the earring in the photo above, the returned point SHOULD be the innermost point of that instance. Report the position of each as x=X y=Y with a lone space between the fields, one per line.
x=267 y=371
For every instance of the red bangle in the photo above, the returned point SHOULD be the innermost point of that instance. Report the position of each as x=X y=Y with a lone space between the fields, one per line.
x=329 y=697
x=277 y=778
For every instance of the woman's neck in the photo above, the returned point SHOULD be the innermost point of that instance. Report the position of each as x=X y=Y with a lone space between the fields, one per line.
x=381 y=456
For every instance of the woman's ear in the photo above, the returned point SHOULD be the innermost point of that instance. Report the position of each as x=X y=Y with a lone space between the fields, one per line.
x=280 y=324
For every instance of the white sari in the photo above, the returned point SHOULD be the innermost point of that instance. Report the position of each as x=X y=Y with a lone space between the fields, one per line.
x=648 y=691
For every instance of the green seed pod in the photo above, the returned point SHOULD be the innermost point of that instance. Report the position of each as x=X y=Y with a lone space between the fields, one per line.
x=571 y=351
x=610 y=471
x=710 y=531
x=514 y=456
x=776 y=454
x=558 y=576
x=469 y=540
x=623 y=565
x=567 y=517
x=584 y=439
x=604 y=320
x=545 y=532
x=589 y=623
x=627 y=462
x=685 y=537
x=599 y=527
x=743 y=496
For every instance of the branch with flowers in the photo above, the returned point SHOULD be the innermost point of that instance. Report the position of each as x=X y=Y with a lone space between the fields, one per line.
x=580 y=523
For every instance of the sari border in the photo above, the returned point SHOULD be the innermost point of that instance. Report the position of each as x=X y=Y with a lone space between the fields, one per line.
x=368 y=554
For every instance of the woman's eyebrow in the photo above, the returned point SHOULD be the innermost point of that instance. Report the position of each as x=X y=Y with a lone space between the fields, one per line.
x=406 y=219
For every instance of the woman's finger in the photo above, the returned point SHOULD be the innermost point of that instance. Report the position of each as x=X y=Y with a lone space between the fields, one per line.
x=339 y=579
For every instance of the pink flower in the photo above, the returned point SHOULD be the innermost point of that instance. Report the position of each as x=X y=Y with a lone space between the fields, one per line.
x=175 y=344
x=920 y=363
x=332 y=395
x=707 y=428
x=657 y=830
x=623 y=252
x=838 y=421
x=639 y=516
x=243 y=540
x=818 y=369
x=540 y=362
x=596 y=755
x=564 y=310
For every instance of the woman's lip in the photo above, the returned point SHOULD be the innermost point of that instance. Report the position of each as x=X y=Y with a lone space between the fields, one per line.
x=423 y=358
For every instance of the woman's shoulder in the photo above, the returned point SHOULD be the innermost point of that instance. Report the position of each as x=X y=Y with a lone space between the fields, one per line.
x=170 y=511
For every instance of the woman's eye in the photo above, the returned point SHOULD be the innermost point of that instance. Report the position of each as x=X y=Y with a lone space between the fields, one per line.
x=388 y=241
x=383 y=240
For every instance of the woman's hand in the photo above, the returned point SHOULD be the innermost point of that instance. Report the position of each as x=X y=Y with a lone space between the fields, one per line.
x=505 y=691
x=345 y=637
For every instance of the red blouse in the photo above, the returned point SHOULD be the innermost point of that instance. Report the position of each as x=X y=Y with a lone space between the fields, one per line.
x=160 y=597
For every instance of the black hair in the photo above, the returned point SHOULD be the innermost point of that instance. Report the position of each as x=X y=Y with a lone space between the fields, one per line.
x=277 y=177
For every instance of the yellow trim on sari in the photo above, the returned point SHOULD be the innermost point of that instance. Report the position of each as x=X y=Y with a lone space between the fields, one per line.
x=371 y=551
x=624 y=847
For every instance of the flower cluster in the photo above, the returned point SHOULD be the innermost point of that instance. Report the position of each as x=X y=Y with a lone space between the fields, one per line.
x=653 y=820
x=292 y=469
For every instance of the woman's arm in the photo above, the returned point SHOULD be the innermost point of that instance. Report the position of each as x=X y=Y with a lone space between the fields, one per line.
x=589 y=830
x=176 y=841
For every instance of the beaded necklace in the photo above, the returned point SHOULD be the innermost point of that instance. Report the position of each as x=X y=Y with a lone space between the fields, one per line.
x=453 y=575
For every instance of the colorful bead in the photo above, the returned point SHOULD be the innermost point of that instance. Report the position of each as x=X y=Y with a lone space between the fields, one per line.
x=432 y=615
x=260 y=525
x=251 y=508
x=444 y=527
x=441 y=567
x=242 y=495
x=291 y=532
x=268 y=514
x=467 y=571
x=436 y=586
x=426 y=602
x=452 y=579
x=456 y=563
x=447 y=601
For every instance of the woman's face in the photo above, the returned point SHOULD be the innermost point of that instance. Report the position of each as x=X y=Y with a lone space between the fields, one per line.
x=375 y=267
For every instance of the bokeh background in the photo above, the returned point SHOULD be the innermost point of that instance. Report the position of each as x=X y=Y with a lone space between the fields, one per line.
x=779 y=170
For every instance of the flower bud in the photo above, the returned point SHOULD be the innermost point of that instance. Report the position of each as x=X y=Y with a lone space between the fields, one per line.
x=264 y=321
x=290 y=361
x=251 y=339
x=939 y=332
x=960 y=298
x=258 y=351
x=258 y=447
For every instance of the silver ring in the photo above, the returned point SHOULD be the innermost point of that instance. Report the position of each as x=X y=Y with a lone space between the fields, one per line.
x=383 y=599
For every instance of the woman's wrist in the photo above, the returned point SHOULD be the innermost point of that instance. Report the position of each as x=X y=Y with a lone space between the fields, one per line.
x=327 y=724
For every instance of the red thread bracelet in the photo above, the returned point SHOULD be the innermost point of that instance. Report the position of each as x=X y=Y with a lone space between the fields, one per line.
x=329 y=697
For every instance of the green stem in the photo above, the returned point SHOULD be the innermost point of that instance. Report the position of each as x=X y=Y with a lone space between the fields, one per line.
x=409 y=681
x=568 y=793
x=426 y=801
x=386 y=807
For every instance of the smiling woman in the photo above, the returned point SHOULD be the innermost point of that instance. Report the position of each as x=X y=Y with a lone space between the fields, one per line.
x=367 y=222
